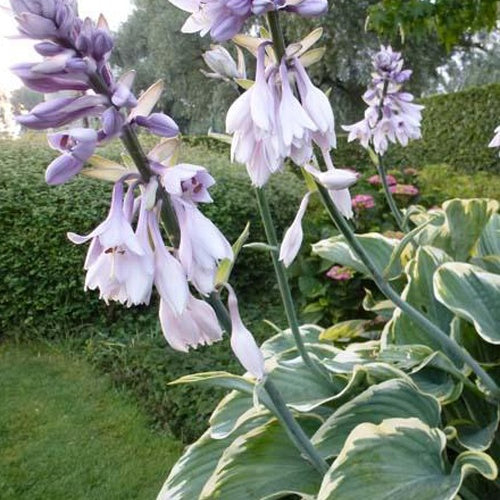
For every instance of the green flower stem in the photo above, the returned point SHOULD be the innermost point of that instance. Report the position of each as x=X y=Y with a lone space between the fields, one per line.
x=286 y=294
x=281 y=410
x=392 y=295
x=388 y=195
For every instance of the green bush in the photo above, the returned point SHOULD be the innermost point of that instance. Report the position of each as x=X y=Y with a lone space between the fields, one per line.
x=456 y=130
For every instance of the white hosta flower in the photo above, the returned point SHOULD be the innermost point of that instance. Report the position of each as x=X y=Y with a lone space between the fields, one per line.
x=495 y=142
x=292 y=240
x=196 y=326
x=251 y=120
x=201 y=248
x=191 y=182
x=119 y=262
x=318 y=107
x=242 y=342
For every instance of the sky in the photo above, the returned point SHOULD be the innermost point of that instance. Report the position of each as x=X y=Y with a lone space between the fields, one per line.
x=16 y=51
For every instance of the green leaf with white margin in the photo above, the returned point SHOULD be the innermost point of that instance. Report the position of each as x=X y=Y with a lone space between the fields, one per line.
x=395 y=398
x=262 y=464
x=226 y=266
x=400 y=459
x=234 y=410
x=419 y=293
x=346 y=330
x=384 y=308
x=466 y=220
x=338 y=251
x=475 y=420
x=489 y=242
x=189 y=475
x=472 y=294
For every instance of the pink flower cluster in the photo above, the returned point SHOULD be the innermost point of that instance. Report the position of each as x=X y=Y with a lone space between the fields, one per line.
x=375 y=180
x=339 y=273
x=363 y=202
x=404 y=190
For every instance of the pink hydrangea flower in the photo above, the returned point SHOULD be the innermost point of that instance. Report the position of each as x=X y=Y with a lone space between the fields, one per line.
x=363 y=201
x=375 y=180
x=404 y=190
x=339 y=273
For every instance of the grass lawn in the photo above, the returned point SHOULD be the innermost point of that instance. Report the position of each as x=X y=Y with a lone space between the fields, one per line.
x=66 y=433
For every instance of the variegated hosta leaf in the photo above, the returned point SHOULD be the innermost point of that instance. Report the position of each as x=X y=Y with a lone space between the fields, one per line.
x=262 y=464
x=472 y=294
x=189 y=475
x=396 y=398
x=475 y=420
x=489 y=242
x=103 y=169
x=466 y=220
x=400 y=459
x=384 y=308
x=419 y=293
x=338 y=251
x=312 y=56
x=346 y=330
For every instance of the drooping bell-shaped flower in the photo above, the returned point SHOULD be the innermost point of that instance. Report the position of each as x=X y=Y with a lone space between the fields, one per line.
x=318 y=107
x=169 y=276
x=78 y=146
x=61 y=111
x=190 y=182
x=196 y=325
x=202 y=246
x=119 y=262
x=252 y=120
x=292 y=240
x=242 y=341
x=158 y=124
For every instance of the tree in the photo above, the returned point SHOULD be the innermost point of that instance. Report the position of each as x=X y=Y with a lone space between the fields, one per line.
x=151 y=42
x=24 y=99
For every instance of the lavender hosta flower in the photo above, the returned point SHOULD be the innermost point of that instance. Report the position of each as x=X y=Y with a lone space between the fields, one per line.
x=222 y=18
x=189 y=182
x=220 y=61
x=196 y=325
x=95 y=41
x=45 y=82
x=292 y=240
x=242 y=341
x=294 y=123
x=119 y=262
x=495 y=142
x=391 y=115
x=45 y=19
x=318 y=107
x=363 y=202
x=112 y=121
x=78 y=146
x=252 y=120
x=202 y=246
x=62 y=110
x=158 y=124
x=169 y=276
x=307 y=8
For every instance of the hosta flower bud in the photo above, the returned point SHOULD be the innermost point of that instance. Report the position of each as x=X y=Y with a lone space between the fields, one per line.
x=220 y=61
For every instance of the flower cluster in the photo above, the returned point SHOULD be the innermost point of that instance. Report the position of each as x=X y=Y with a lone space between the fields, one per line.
x=127 y=255
x=363 y=202
x=270 y=124
x=406 y=190
x=338 y=273
x=375 y=180
x=391 y=115
x=223 y=19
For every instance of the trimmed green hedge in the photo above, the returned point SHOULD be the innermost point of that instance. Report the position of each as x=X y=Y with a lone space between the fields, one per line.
x=456 y=130
x=42 y=275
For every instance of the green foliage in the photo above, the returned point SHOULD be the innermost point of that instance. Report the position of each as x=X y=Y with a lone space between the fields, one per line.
x=456 y=130
x=451 y=20
x=397 y=414
x=66 y=431
x=42 y=287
